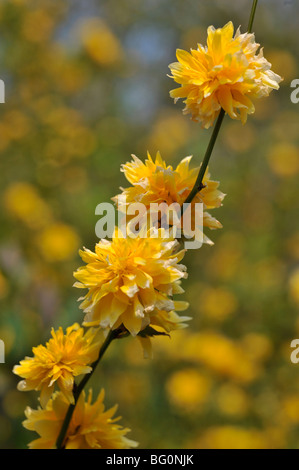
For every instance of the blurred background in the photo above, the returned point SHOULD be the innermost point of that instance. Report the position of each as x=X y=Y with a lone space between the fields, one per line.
x=86 y=86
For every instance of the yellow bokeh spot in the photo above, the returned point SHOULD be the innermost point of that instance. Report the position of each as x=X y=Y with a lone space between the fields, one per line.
x=233 y=437
x=23 y=201
x=17 y=124
x=188 y=389
x=285 y=125
x=283 y=63
x=99 y=42
x=82 y=142
x=291 y=408
x=221 y=355
x=224 y=262
x=62 y=119
x=58 y=242
x=70 y=76
x=218 y=303
x=37 y=25
x=283 y=159
x=294 y=286
x=79 y=144
x=269 y=272
x=257 y=346
x=232 y=400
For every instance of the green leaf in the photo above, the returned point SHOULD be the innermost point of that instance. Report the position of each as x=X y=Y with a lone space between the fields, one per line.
x=149 y=331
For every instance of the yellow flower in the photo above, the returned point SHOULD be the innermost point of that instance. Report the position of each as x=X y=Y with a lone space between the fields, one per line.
x=91 y=427
x=129 y=279
x=228 y=73
x=64 y=357
x=157 y=182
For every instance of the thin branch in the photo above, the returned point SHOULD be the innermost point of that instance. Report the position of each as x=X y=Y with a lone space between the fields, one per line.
x=113 y=334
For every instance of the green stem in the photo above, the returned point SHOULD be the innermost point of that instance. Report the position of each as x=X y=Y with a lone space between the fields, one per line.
x=78 y=389
x=198 y=185
x=252 y=14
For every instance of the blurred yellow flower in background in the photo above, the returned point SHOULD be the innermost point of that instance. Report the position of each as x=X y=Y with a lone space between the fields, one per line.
x=232 y=400
x=58 y=242
x=64 y=357
x=284 y=62
x=188 y=389
x=218 y=303
x=91 y=427
x=283 y=158
x=233 y=437
x=129 y=280
x=37 y=25
x=222 y=355
x=17 y=124
x=227 y=73
x=258 y=347
x=290 y=407
x=22 y=200
x=294 y=286
x=99 y=42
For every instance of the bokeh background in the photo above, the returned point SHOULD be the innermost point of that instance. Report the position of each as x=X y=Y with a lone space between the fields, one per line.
x=86 y=86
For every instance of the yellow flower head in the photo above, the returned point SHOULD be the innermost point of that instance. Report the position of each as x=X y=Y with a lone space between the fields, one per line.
x=228 y=73
x=91 y=427
x=64 y=357
x=156 y=182
x=128 y=279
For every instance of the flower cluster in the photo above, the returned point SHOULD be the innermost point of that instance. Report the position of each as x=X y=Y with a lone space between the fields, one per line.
x=228 y=73
x=132 y=281
x=64 y=357
x=91 y=427
x=156 y=182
